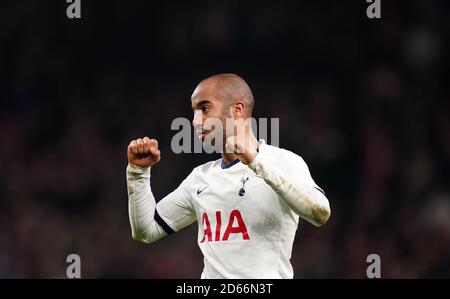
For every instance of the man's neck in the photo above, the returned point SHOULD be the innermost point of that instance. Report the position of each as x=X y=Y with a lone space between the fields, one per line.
x=229 y=157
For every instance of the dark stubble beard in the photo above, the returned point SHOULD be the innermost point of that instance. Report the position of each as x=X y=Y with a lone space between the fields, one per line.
x=226 y=115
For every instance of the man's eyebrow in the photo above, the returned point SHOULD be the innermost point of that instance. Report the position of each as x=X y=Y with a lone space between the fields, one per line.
x=201 y=103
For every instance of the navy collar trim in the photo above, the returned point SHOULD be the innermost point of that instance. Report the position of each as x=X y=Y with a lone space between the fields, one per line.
x=224 y=165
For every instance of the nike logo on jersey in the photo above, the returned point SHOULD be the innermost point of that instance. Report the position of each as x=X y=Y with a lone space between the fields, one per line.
x=201 y=190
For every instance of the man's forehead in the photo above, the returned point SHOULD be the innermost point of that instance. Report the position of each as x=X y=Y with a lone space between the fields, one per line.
x=205 y=87
x=198 y=101
x=203 y=92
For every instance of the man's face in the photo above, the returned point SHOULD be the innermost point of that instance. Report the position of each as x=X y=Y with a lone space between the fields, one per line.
x=207 y=104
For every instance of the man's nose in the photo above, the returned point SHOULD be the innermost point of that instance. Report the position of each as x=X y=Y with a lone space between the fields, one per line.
x=198 y=119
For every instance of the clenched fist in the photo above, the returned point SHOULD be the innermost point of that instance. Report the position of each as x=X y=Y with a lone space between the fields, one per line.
x=143 y=152
x=243 y=142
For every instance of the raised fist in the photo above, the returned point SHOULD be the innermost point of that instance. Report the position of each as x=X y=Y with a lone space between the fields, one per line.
x=143 y=152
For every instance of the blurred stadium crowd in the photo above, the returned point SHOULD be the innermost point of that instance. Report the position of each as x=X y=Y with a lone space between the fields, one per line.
x=365 y=102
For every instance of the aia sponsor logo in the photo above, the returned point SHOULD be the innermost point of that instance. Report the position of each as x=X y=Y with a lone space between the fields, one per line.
x=236 y=225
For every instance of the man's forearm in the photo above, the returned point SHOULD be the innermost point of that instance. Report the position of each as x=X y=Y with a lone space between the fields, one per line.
x=304 y=199
x=141 y=205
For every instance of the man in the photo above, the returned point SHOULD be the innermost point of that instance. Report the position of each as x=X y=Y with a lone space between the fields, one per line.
x=247 y=204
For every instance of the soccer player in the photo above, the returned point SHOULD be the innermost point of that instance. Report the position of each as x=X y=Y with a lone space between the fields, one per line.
x=247 y=204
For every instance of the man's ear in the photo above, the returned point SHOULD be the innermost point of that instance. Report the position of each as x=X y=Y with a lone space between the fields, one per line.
x=238 y=109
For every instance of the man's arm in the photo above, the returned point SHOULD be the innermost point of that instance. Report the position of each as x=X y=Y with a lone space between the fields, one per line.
x=150 y=221
x=291 y=180
x=142 y=206
x=286 y=173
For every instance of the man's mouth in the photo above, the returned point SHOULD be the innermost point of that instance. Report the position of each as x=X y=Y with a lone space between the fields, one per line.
x=201 y=134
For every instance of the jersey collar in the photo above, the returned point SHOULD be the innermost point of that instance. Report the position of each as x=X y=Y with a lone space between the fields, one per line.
x=224 y=165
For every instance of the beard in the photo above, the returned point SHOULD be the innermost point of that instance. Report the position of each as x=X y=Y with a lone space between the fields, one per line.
x=215 y=138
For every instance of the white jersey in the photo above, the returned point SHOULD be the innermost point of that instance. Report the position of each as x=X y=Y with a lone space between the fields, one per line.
x=246 y=223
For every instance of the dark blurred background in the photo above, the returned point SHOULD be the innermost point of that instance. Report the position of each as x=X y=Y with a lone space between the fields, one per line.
x=364 y=102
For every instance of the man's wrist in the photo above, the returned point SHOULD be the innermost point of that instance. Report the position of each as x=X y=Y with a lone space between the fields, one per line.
x=253 y=165
x=131 y=168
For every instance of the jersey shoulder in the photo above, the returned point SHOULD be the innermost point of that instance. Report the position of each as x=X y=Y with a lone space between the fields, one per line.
x=283 y=157
x=278 y=153
x=206 y=167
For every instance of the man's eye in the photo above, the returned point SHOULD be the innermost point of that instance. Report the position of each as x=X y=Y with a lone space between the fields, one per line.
x=205 y=108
